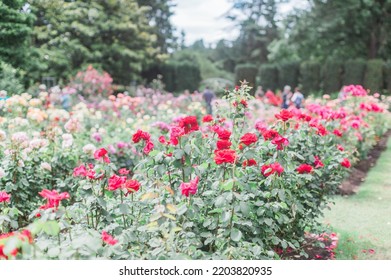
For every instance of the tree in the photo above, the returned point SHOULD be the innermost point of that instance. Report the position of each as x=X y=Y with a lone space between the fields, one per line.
x=111 y=35
x=15 y=28
x=342 y=29
x=159 y=13
x=258 y=28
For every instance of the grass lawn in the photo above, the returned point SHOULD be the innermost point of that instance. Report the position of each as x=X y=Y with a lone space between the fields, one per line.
x=363 y=221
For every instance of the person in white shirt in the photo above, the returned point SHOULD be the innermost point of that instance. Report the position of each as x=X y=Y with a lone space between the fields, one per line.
x=298 y=98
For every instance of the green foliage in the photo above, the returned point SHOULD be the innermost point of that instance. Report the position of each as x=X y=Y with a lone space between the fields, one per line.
x=69 y=35
x=310 y=77
x=9 y=80
x=332 y=76
x=187 y=76
x=288 y=74
x=354 y=72
x=15 y=28
x=268 y=76
x=246 y=72
x=373 y=78
x=387 y=77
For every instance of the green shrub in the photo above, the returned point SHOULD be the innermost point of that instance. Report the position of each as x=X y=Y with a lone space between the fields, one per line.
x=168 y=73
x=373 y=78
x=387 y=77
x=332 y=76
x=310 y=77
x=9 y=80
x=187 y=76
x=288 y=74
x=354 y=72
x=268 y=76
x=246 y=72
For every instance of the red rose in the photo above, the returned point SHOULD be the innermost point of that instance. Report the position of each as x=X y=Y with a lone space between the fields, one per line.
x=131 y=186
x=322 y=130
x=249 y=162
x=108 y=239
x=175 y=133
x=225 y=156
x=101 y=154
x=337 y=133
x=318 y=163
x=223 y=134
x=244 y=103
x=346 y=163
x=189 y=188
x=269 y=169
x=304 y=168
x=140 y=135
x=339 y=147
x=280 y=141
x=148 y=147
x=207 y=118
x=248 y=139
x=284 y=115
x=4 y=197
x=223 y=144
x=116 y=182
x=269 y=134
x=80 y=171
x=189 y=124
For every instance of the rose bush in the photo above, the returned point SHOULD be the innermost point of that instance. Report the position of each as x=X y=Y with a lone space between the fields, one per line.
x=96 y=183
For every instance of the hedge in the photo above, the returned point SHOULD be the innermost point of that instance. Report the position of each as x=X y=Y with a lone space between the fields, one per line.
x=288 y=74
x=387 y=77
x=246 y=72
x=268 y=76
x=373 y=78
x=332 y=76
x=310 y=78
x=354 y=72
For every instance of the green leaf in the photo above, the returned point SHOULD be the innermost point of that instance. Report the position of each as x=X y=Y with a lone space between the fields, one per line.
x=124 y=208
x=51 y=228
x=236 y=235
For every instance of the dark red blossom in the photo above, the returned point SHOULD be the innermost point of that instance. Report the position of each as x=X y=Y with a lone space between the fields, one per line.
x=101 y=154
x=248 y=139
x=337 y=132
x=4 y=197
x=249 y=162
x=269 y=169
x=207 y=118
x=189 y=124
x=223 y=144
x=304 y=168
x=53 y=198
x=284 y=115
x=108 y=239
x=280 y=142
x=189 y=188
x=318 y=163
x=225 y=156
x=269 y=134
x=140 y=135
x=346 y=163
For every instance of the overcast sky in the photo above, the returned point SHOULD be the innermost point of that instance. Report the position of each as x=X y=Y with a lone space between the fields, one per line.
x=203 y=19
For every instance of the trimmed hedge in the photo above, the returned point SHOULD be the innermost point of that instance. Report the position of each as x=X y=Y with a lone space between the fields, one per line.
x=246 y=72
x=181 y=76
x=354 y=72
x=332 y=76
x=387 y=77
x=373 y=78
x=310 y=77
x=268 y=76
x=288 y=74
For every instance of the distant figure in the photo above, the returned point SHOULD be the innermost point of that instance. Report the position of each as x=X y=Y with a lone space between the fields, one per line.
x=65 y=101
x=286 y=97
x=208 y=96
x=298 y=98
x=259 y=93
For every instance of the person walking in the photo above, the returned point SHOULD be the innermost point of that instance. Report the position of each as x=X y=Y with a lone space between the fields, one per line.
x=286 y=97
x=298 y=98
x=208 y=96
